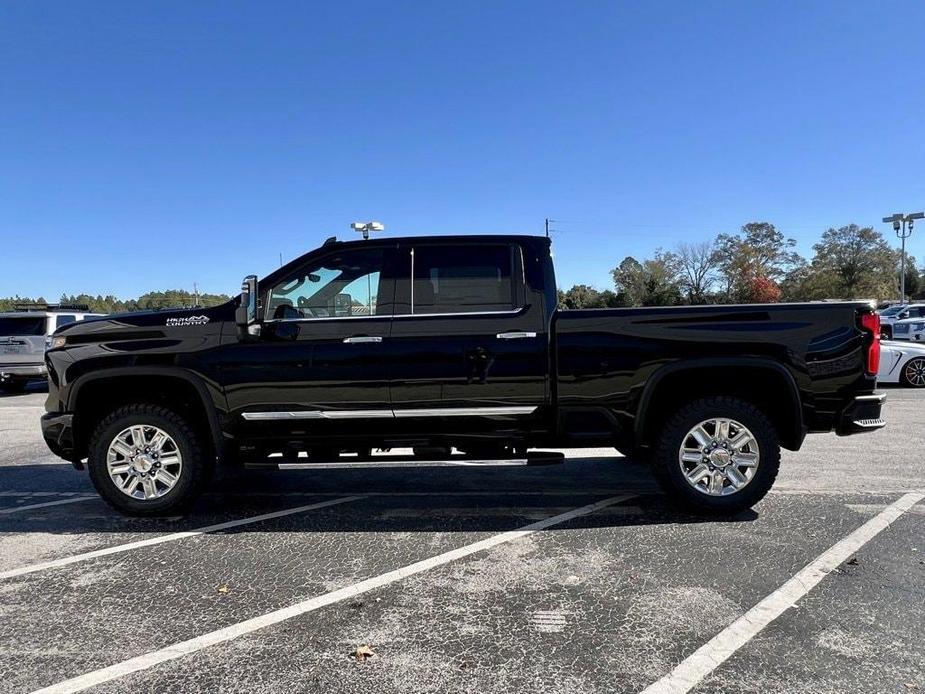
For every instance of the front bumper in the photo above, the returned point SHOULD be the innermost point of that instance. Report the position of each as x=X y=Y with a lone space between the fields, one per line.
x=58 y=432
x=862 y=415
x=11 y=371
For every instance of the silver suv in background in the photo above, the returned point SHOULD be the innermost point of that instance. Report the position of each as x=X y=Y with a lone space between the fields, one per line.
x=25 y=334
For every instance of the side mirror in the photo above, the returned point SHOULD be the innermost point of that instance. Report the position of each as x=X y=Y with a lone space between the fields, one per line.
x=246 y=314
x=903 y=315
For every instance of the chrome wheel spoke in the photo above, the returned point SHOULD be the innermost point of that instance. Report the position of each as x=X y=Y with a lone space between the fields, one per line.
x=167 y=478
x=158 y=440
x=700 y=436
x=698 y=473
x=722 y=429
x=138 y=436
x=122 y=449
x=131 y=484
x=119 y=468
x=746 y=459
x=150 y=488
x=735 y=477
x=691 y=455
x=169 y=460
x=717 y=482
x=742 y=438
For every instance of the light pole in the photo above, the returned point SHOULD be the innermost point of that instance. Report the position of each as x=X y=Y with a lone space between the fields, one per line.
x=364 y=228
x=902 y=225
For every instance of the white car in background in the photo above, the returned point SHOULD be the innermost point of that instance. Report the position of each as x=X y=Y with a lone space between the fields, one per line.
x=902 y=362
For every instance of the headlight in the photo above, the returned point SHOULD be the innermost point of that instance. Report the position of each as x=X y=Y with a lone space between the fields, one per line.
x=57 y=341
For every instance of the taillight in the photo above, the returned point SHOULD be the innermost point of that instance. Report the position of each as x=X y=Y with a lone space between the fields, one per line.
x=871 y=323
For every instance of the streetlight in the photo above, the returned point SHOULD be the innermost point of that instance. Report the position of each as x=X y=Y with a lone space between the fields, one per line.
x=364 y=228
x=900 y=221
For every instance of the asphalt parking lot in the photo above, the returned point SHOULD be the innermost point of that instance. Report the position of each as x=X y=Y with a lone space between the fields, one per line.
x=570 y=578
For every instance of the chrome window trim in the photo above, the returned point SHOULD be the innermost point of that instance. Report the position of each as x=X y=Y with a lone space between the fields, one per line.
x=401 y=315
x=392 y=414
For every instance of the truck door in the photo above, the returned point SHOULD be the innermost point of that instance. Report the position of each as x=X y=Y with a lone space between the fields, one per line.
x=468 y=337
x=318 y=364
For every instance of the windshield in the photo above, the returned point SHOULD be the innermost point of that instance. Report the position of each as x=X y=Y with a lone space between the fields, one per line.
x=22 y=325
x=892 y=310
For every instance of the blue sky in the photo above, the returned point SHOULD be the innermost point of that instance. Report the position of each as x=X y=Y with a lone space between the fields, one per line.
x=153 y=145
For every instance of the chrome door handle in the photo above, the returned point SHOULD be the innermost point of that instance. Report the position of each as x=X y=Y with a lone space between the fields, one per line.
x=514 y=335
x=359 y=339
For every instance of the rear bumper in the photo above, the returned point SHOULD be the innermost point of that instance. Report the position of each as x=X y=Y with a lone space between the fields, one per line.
x=862 y=415
x=11 y=371
x=58 y=432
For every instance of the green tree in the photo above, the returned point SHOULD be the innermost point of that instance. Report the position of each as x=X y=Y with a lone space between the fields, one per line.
x=850 y=262
x=653 y=282
x=759 y=250
x=584 y=296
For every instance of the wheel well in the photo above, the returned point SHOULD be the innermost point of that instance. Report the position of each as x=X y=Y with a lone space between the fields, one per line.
x=96 y=399
x=769 y=390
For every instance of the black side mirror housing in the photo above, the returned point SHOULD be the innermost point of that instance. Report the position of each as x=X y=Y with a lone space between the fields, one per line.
x=246 y=316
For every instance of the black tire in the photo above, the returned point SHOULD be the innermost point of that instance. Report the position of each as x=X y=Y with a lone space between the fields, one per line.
x=194 y=475
x=13 y=386
x=916 y=364
x=671 y=439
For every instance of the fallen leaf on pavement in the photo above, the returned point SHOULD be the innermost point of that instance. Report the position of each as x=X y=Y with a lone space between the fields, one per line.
x=363 y=652
x=223 y=588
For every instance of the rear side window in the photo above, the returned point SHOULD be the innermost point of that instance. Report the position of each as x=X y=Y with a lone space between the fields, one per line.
x=65 y=318
x=22 y=325
x=463 y=279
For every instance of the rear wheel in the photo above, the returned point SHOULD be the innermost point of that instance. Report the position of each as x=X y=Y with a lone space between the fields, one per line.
x=717 y=455
x=13 y=386
x=146 y=460
x=914 y=373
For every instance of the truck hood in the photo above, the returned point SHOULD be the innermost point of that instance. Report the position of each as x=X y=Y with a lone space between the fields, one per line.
x=163 y=323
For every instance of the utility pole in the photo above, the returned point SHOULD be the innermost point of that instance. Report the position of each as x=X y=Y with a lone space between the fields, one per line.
x=196 y=294
x=902 y=225
x=548 y=220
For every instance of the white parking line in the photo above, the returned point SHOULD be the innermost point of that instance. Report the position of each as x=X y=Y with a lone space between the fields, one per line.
x=693 y=669
x=17 y=509
x=160 y=539
x=178 y=650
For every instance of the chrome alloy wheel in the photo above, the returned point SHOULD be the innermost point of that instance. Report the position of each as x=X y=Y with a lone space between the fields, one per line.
x=719 y=457
x=144 y=462
x=915 y=372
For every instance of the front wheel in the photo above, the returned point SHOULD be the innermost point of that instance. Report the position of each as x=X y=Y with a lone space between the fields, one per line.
x=717 y=455
x=146 y=460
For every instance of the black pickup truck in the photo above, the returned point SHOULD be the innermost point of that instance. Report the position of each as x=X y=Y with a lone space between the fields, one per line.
x=449 y=343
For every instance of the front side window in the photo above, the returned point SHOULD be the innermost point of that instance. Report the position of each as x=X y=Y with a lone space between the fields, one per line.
x=340 y=285
x=65 y=318
x=463 y=279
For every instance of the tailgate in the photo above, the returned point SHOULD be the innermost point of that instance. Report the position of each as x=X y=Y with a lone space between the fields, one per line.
x=22 y=339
